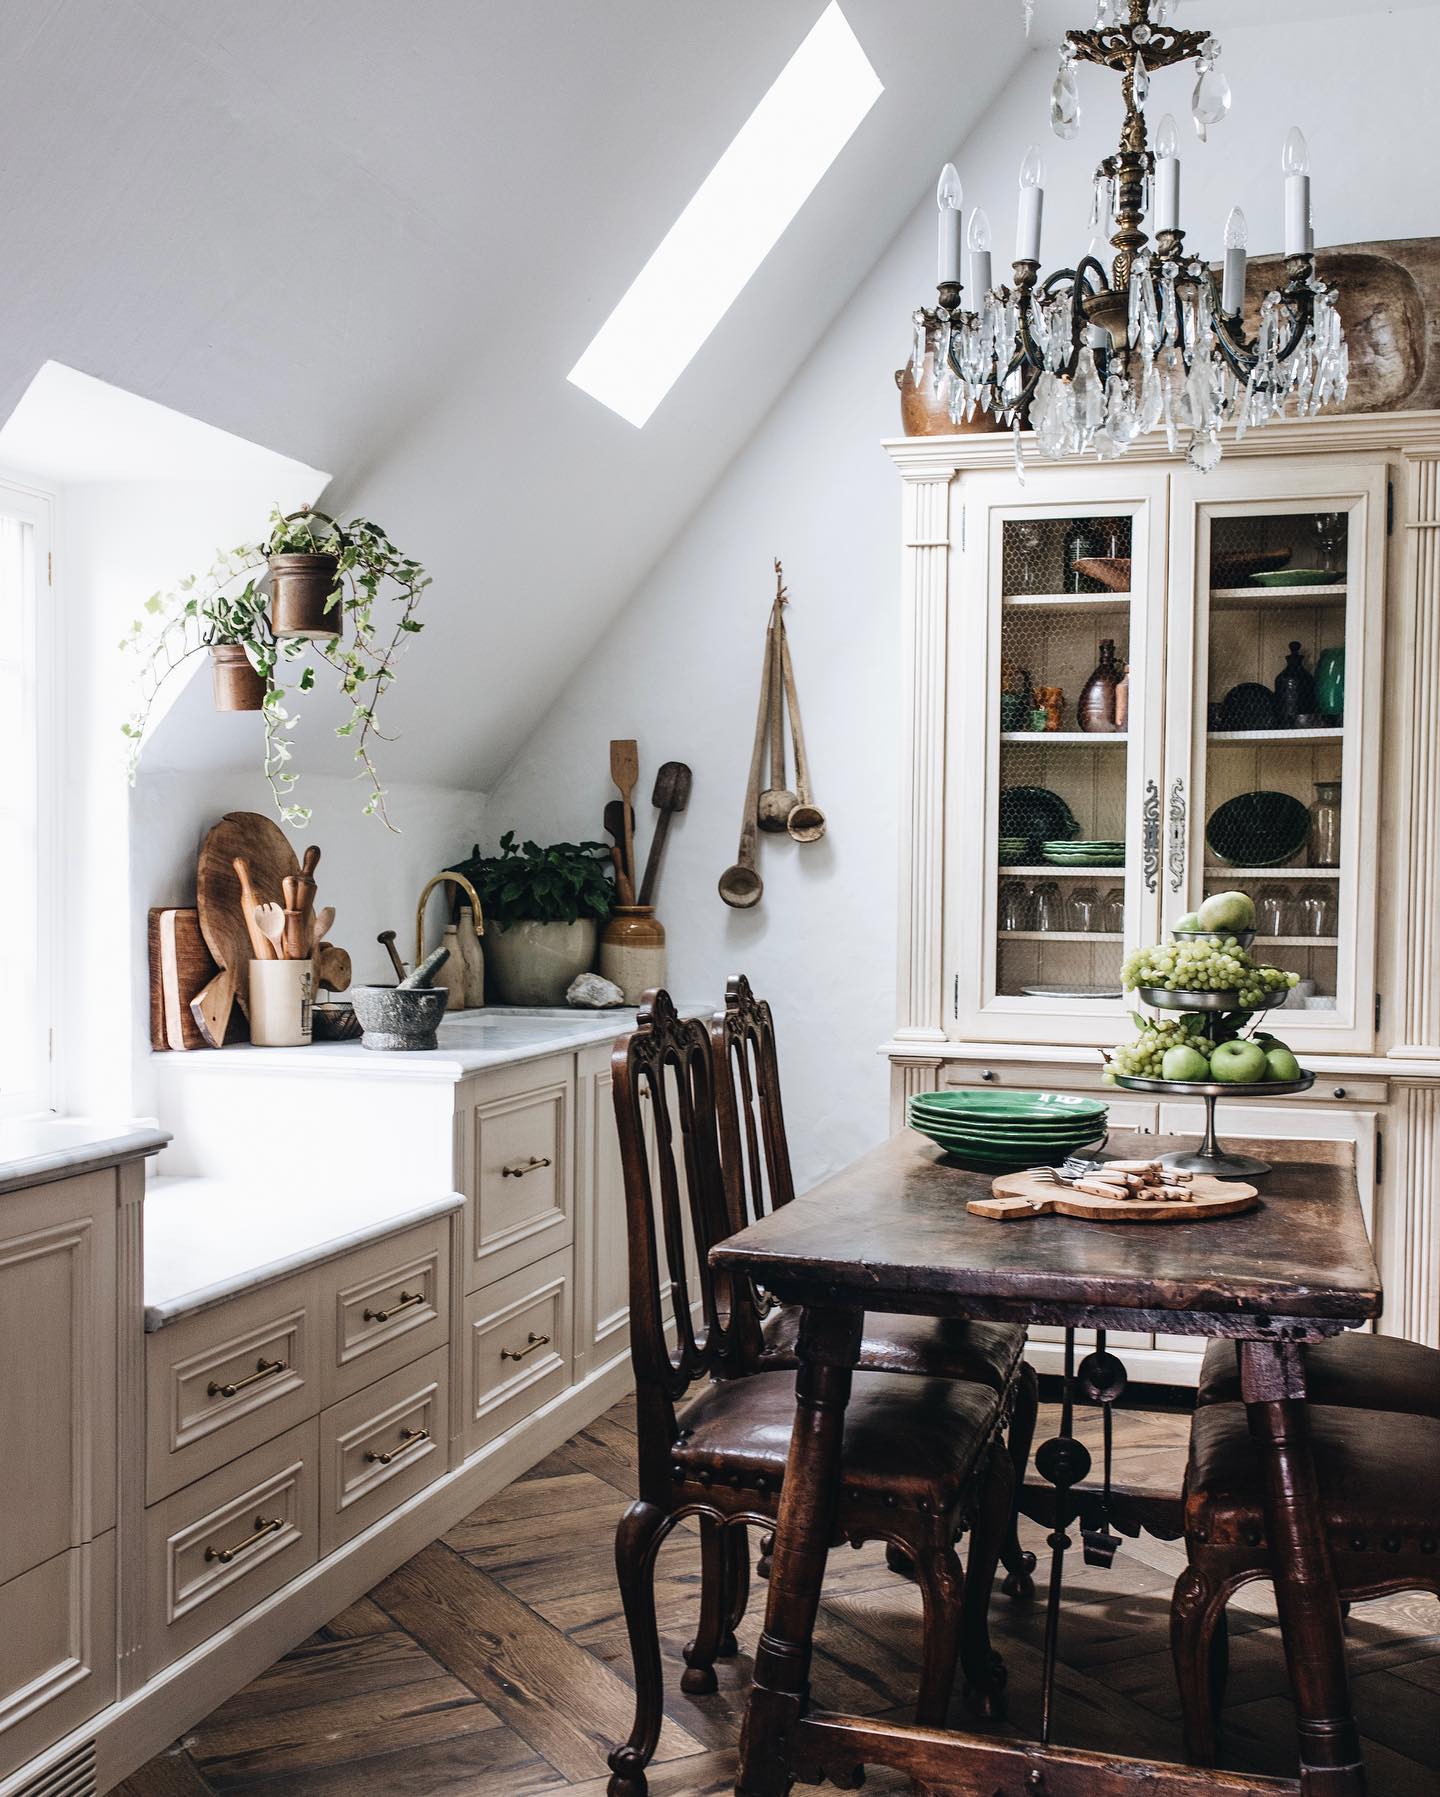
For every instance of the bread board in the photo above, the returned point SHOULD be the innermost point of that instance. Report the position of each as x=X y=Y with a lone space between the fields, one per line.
x=1017 y=1195
x=180 y=968
x=266 y=850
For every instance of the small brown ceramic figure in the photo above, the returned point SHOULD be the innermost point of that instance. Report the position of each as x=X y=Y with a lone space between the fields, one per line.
x=1095 y=709
x=1052 y=700
x=1294 y=689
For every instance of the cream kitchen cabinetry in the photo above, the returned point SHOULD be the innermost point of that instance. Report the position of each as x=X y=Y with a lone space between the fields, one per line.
x=1010 y=955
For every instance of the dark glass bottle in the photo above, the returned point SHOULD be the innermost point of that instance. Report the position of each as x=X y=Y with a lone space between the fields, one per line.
x=1095 y=708
x=1294 y=689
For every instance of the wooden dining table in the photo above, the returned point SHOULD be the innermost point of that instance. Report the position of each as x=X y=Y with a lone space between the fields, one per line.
x=891 y=1234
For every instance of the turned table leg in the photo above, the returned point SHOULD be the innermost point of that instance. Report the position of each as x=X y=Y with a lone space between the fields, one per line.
x=827 y=1348
x=1272 y=1383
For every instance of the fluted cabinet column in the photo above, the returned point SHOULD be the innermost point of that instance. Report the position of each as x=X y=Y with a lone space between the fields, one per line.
x=1418 y=1033
x=907 y=1080
x=1409 y=1243
x=920 y=976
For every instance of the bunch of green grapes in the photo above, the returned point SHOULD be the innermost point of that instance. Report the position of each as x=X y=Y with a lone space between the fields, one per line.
x=1141 y=1058
x=1205 y=964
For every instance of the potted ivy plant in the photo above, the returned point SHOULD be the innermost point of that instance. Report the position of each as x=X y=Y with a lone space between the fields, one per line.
x=543 y=911
x=342 y=594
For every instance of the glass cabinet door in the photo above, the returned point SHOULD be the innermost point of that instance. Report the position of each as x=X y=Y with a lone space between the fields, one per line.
x=1058 y=689
x=1273 y=730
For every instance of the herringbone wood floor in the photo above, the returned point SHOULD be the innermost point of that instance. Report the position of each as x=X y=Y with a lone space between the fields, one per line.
x=494 y=1663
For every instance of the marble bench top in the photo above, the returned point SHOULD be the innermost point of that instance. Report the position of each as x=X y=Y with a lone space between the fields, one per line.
x=34 y=1150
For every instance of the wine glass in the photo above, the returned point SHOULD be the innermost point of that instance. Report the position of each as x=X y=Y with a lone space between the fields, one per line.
x=1029 y=537
x=1329 y=534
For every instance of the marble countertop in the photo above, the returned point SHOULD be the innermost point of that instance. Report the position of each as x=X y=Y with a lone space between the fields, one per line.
x=207 y=1240
x=44 y=1148
x=470 y=1042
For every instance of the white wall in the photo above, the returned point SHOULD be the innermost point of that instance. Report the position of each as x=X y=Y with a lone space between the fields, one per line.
x=679 y=668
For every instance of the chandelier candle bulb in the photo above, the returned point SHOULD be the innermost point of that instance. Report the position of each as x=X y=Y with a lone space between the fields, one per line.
x=1032 y=206
x=1295 y=161
x=1167 y=176
x=948 y=197
x=1232 y=288
x=979 y=241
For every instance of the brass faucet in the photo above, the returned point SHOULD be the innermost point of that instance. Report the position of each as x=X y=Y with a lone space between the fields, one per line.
x=455 y=880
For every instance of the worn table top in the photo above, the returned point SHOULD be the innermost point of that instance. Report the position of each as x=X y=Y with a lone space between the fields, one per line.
x=891 y=1231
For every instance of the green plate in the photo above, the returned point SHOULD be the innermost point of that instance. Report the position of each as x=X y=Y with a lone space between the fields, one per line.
x=1298 y=577
x=1015 y=1129
x=983 y=1162
x=1013 y=1104
x=1258 y=829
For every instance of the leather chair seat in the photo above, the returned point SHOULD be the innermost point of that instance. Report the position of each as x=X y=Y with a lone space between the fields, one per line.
x=1376 y=1471
x=1358 y=1371
x=934 y=1347
x=906 y=1438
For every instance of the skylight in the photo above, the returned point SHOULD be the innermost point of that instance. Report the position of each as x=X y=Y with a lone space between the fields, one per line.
x=743 y=205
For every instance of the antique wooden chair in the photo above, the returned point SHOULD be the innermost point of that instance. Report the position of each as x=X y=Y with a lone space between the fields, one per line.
x=924 y=1458
x=1357 y=1370
x=1376 y=1473
x=755 y=1157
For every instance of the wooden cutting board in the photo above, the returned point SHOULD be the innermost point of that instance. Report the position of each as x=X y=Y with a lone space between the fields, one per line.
x=266 y=849
x=180 y=968
x=1019 y=1195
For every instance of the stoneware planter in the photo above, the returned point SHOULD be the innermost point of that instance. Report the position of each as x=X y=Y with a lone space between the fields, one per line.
x=234 y=684
x=632 y=951
x=300 y=585
x=533 y=963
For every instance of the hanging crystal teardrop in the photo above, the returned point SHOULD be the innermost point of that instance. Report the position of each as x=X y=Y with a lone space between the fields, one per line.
x=1211 y=100
x=1140 y=80
x=917 y=355
x=1065 y=101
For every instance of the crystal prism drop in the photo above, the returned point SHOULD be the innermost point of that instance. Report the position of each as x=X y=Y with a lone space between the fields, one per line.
x=1140 y=80
x=1204 y=452
x=1065 y=102
x=1211 y=100
x=917 y=355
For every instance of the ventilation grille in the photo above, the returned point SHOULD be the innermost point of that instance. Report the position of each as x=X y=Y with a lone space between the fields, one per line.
x=74 y=1776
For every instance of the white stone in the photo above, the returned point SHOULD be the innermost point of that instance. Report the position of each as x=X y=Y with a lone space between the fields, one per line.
x=589 y=992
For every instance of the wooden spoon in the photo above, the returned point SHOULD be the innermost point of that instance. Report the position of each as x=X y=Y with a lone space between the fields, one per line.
x=671 y=794
x=320 y=922
x=777 y=801
x=625 y=771
x=260 y=948
x=624 y=892
x=270 y=921
x=740 y=885
x=806 y=823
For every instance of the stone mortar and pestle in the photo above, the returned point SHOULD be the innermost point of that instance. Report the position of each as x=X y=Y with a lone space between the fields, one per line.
x=404 y=1016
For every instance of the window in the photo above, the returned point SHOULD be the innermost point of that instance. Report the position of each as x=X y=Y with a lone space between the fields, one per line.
x=735 y=219
x=29 y=788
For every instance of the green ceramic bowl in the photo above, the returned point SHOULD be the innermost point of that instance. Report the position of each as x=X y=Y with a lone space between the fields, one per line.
x=1035 y=1105
x=1013 y=1129
x=1297 y=577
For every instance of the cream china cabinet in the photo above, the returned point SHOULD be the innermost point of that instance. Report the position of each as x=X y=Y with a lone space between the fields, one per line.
x=1129 y=685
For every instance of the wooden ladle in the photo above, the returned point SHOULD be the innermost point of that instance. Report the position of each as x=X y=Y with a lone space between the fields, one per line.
x=777 y=801
x=740 y=885
x=806 y=823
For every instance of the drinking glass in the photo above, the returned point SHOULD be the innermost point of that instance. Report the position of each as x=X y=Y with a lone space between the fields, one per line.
x=1317 y=915
x=1112 y=912
x=1272 y=911
x=1049 y=907
x=1014 y=905
x=1083 y=908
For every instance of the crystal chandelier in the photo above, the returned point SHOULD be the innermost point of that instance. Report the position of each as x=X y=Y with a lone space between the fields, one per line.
x=1095 y=358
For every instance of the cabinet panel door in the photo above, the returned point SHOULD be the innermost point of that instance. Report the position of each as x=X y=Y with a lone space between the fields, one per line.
x=520 y=1177
x=1053 y=753
x=57 y=1347
x=57 y=1649
x=602 y=1274
x=1273 y=725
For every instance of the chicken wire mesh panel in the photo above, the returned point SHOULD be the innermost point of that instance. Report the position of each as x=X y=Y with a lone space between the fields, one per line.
x=1062 y=717
x=1275 y=718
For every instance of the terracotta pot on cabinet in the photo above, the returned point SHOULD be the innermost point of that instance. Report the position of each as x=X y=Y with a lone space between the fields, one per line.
x=632 y=951
x=300 y=587
x=234 y=684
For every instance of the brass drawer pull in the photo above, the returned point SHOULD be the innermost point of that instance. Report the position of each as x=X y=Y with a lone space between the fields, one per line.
x=263 y=1370
x=407 y=1299
x=262 y=1528
x=520 y=1169
x=408 y=1439
x=532 y=1342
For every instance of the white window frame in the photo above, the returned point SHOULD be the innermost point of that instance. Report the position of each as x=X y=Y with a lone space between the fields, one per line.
x=35 y=506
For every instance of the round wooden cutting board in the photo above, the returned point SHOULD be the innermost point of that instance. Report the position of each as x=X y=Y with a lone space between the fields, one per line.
x=266 y=849
x=1031 y=1195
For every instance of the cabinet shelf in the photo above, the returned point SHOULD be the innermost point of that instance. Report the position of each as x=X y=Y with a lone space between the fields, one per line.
x=1297 y=942
x=1322 y=733
x=1219 y=871
x=1063 y=602
x=1244 y=598
x=1060 y=935
x=1078 y=739
x=1045 y=871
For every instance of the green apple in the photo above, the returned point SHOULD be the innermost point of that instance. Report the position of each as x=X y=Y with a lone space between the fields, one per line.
x=1238 y=1062
x=1227 y=911
x=1184 y=1062
x=1281 y=1064
x=1190 y=921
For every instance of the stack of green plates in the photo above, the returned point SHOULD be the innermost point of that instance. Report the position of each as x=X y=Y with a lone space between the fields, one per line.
x=1012 y=850
x=1084 y=854
x=997 y=1132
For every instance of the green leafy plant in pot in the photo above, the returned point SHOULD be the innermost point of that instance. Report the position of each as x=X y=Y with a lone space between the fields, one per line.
x=342 y=593
x=543 y=911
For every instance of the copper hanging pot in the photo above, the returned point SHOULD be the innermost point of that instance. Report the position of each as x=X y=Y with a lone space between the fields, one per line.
x=234 y=684
x=305 y=597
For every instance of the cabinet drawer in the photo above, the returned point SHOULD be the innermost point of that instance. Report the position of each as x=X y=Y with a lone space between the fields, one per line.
x=520 y=1177
x=517 y=1347
x=57 y=1649
x=381 y=1445
x=222 y=1381
x=215 y=1549
x=388 y=1304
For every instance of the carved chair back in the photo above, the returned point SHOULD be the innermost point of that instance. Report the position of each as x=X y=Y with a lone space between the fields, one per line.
x=676 y=1210
x=755 y=1154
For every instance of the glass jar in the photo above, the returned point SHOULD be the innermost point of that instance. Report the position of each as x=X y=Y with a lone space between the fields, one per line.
x=1083 y=909
x=1325 y=825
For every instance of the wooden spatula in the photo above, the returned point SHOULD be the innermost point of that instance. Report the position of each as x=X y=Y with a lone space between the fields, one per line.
x=671 y=794
x=320 y=923
x=615 y=828
x=625 y=771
